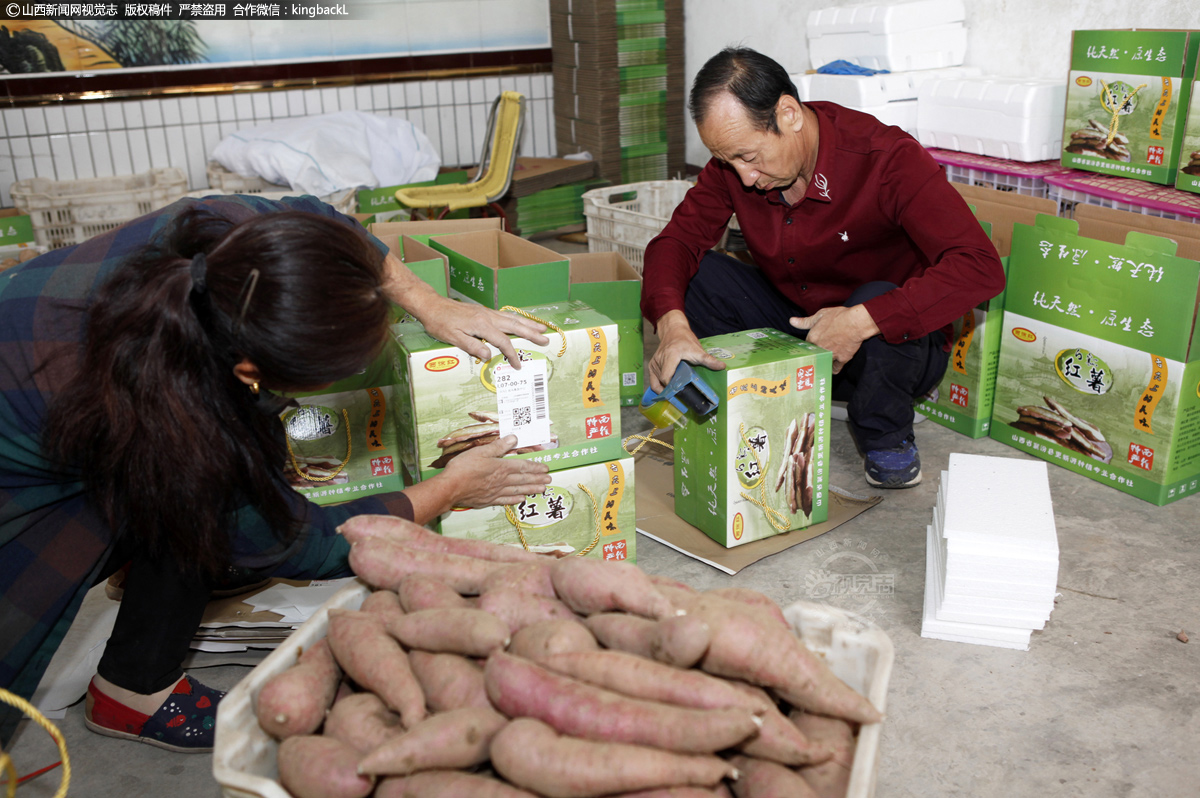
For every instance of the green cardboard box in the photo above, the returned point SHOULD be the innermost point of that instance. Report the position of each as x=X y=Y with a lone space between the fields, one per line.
x=607 y=282
x=588 y=508
x=564 y=404
x=1126 y=101
x=1099 y=364
x=963 y=399
x=16 y=228
x=427 y=263
x=499 y=269
x=383 y=200
x=343 y=446
x=758 y=465
x=1189 y=154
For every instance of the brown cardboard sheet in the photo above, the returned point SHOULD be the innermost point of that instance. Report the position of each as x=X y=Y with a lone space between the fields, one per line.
x=1004 y=209
x=656 y=519
x=1110 y=224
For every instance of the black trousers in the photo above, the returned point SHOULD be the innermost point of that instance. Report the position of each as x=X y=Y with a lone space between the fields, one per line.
x=880 y=382
x=159 y=614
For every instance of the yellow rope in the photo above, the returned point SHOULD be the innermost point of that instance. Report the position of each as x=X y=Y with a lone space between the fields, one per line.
x=51 y=729
x=1115 y=123
x=511 y=515
x=532 y=317
x=644 y=440
x=10 y=770
x=770 y=512
x=338 y=470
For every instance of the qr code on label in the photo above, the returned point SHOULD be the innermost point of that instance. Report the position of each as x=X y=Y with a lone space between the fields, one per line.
x=522 y=416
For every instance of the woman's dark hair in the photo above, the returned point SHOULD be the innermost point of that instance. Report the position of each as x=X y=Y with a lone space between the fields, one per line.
x=754 y=79
x=169 y=442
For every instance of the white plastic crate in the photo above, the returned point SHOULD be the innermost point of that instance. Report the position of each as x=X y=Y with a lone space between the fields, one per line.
x=619 y=223
x=244 y=766
x=1017 y=184
x=1068 y=198
x=345 y=201
x=227 y=182
x=67 y=212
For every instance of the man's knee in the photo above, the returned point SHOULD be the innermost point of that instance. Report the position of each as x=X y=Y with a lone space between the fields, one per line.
x=868 y=291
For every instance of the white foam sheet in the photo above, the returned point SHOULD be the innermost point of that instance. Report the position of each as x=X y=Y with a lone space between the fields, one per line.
x=993 y=501
x=977 y=634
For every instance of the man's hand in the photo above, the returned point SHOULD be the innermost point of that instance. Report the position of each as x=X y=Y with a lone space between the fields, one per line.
x=838 y=329
x=482 y=478
x=460 y=324
x=677 y=342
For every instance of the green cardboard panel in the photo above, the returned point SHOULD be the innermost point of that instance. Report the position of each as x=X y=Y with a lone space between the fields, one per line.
x=15 y=228
x=378 y=200
x=589 y=508
x=608 y=283
x=1188 y=178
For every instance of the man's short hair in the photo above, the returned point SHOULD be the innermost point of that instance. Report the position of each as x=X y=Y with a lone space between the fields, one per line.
x=754 y=79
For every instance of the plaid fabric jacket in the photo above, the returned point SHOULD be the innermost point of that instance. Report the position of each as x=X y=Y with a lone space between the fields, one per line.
x=53 y=544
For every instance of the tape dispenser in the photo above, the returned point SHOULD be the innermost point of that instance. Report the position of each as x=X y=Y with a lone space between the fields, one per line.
x=686 y=391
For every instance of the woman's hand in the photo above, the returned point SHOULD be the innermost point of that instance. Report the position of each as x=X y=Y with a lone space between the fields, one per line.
x=483 y=478
x=462 y=324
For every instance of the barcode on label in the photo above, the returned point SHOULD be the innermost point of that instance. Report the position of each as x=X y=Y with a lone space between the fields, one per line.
x=539 y=395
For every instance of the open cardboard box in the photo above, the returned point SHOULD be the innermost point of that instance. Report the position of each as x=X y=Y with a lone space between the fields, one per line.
x=1003 y=209
x=499 y=269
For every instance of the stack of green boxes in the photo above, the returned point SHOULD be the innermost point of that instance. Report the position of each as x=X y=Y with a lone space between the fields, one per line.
x=564 y=406
x=619 y=85
x=553 y=208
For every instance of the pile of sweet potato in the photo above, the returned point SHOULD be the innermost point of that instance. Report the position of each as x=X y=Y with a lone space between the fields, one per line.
x=485 y=671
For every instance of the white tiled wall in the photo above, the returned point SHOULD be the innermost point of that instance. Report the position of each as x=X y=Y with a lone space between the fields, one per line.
x=122 y=137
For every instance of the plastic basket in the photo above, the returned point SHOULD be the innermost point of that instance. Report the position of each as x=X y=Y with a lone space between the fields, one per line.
x=227 y=182
x=345 y=200
x=1068 y=198
x=624 y=218
x=1018 y=184
x=859 y=652
x=67 y=212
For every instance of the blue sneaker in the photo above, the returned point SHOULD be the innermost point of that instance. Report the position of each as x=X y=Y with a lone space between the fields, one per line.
x=894 y=468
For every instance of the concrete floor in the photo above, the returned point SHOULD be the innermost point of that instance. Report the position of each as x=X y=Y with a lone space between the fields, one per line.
x=1105 y=702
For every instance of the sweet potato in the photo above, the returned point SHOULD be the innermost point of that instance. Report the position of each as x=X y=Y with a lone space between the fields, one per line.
x=530 y=578
x=532 y=755
x=670 y=792
x=829 y=779
x=780 y=741
x=638 y=677
x=544 y=638
x=521 y=688
x=519 y=610
x=763 y=779
x=588 y=586
x=422 y=592
x=454 y=740
x=752 y=598
x=623 y=632
x=472 y=633
x=398 y=530
x=321 y=767
x=747 y=646
x=447 y=784
x=362 y=722
x=681 y=640
x=383 y=603
x=383 y=564
x=295 y=700
x=373 y=659
x=449 y=681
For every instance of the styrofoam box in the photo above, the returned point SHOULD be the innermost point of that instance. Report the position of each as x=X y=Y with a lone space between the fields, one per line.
x=891 y=18
x=927 y=48
x=1011 y=118
x=859 y=652
x=865 y=91
x=901 y=114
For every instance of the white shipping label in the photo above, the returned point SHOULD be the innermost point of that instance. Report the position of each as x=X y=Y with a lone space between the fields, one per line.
x=521 y=402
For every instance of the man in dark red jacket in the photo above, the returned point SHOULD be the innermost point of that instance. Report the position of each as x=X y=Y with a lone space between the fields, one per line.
x=858 y=240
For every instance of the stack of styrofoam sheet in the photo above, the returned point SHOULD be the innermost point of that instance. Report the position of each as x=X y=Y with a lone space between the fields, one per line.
x=1010 y=118
x=891 y=97
x=927 y=34
x=991 y=567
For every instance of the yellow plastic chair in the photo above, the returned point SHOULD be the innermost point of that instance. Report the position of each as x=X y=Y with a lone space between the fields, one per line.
x=496 y=165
